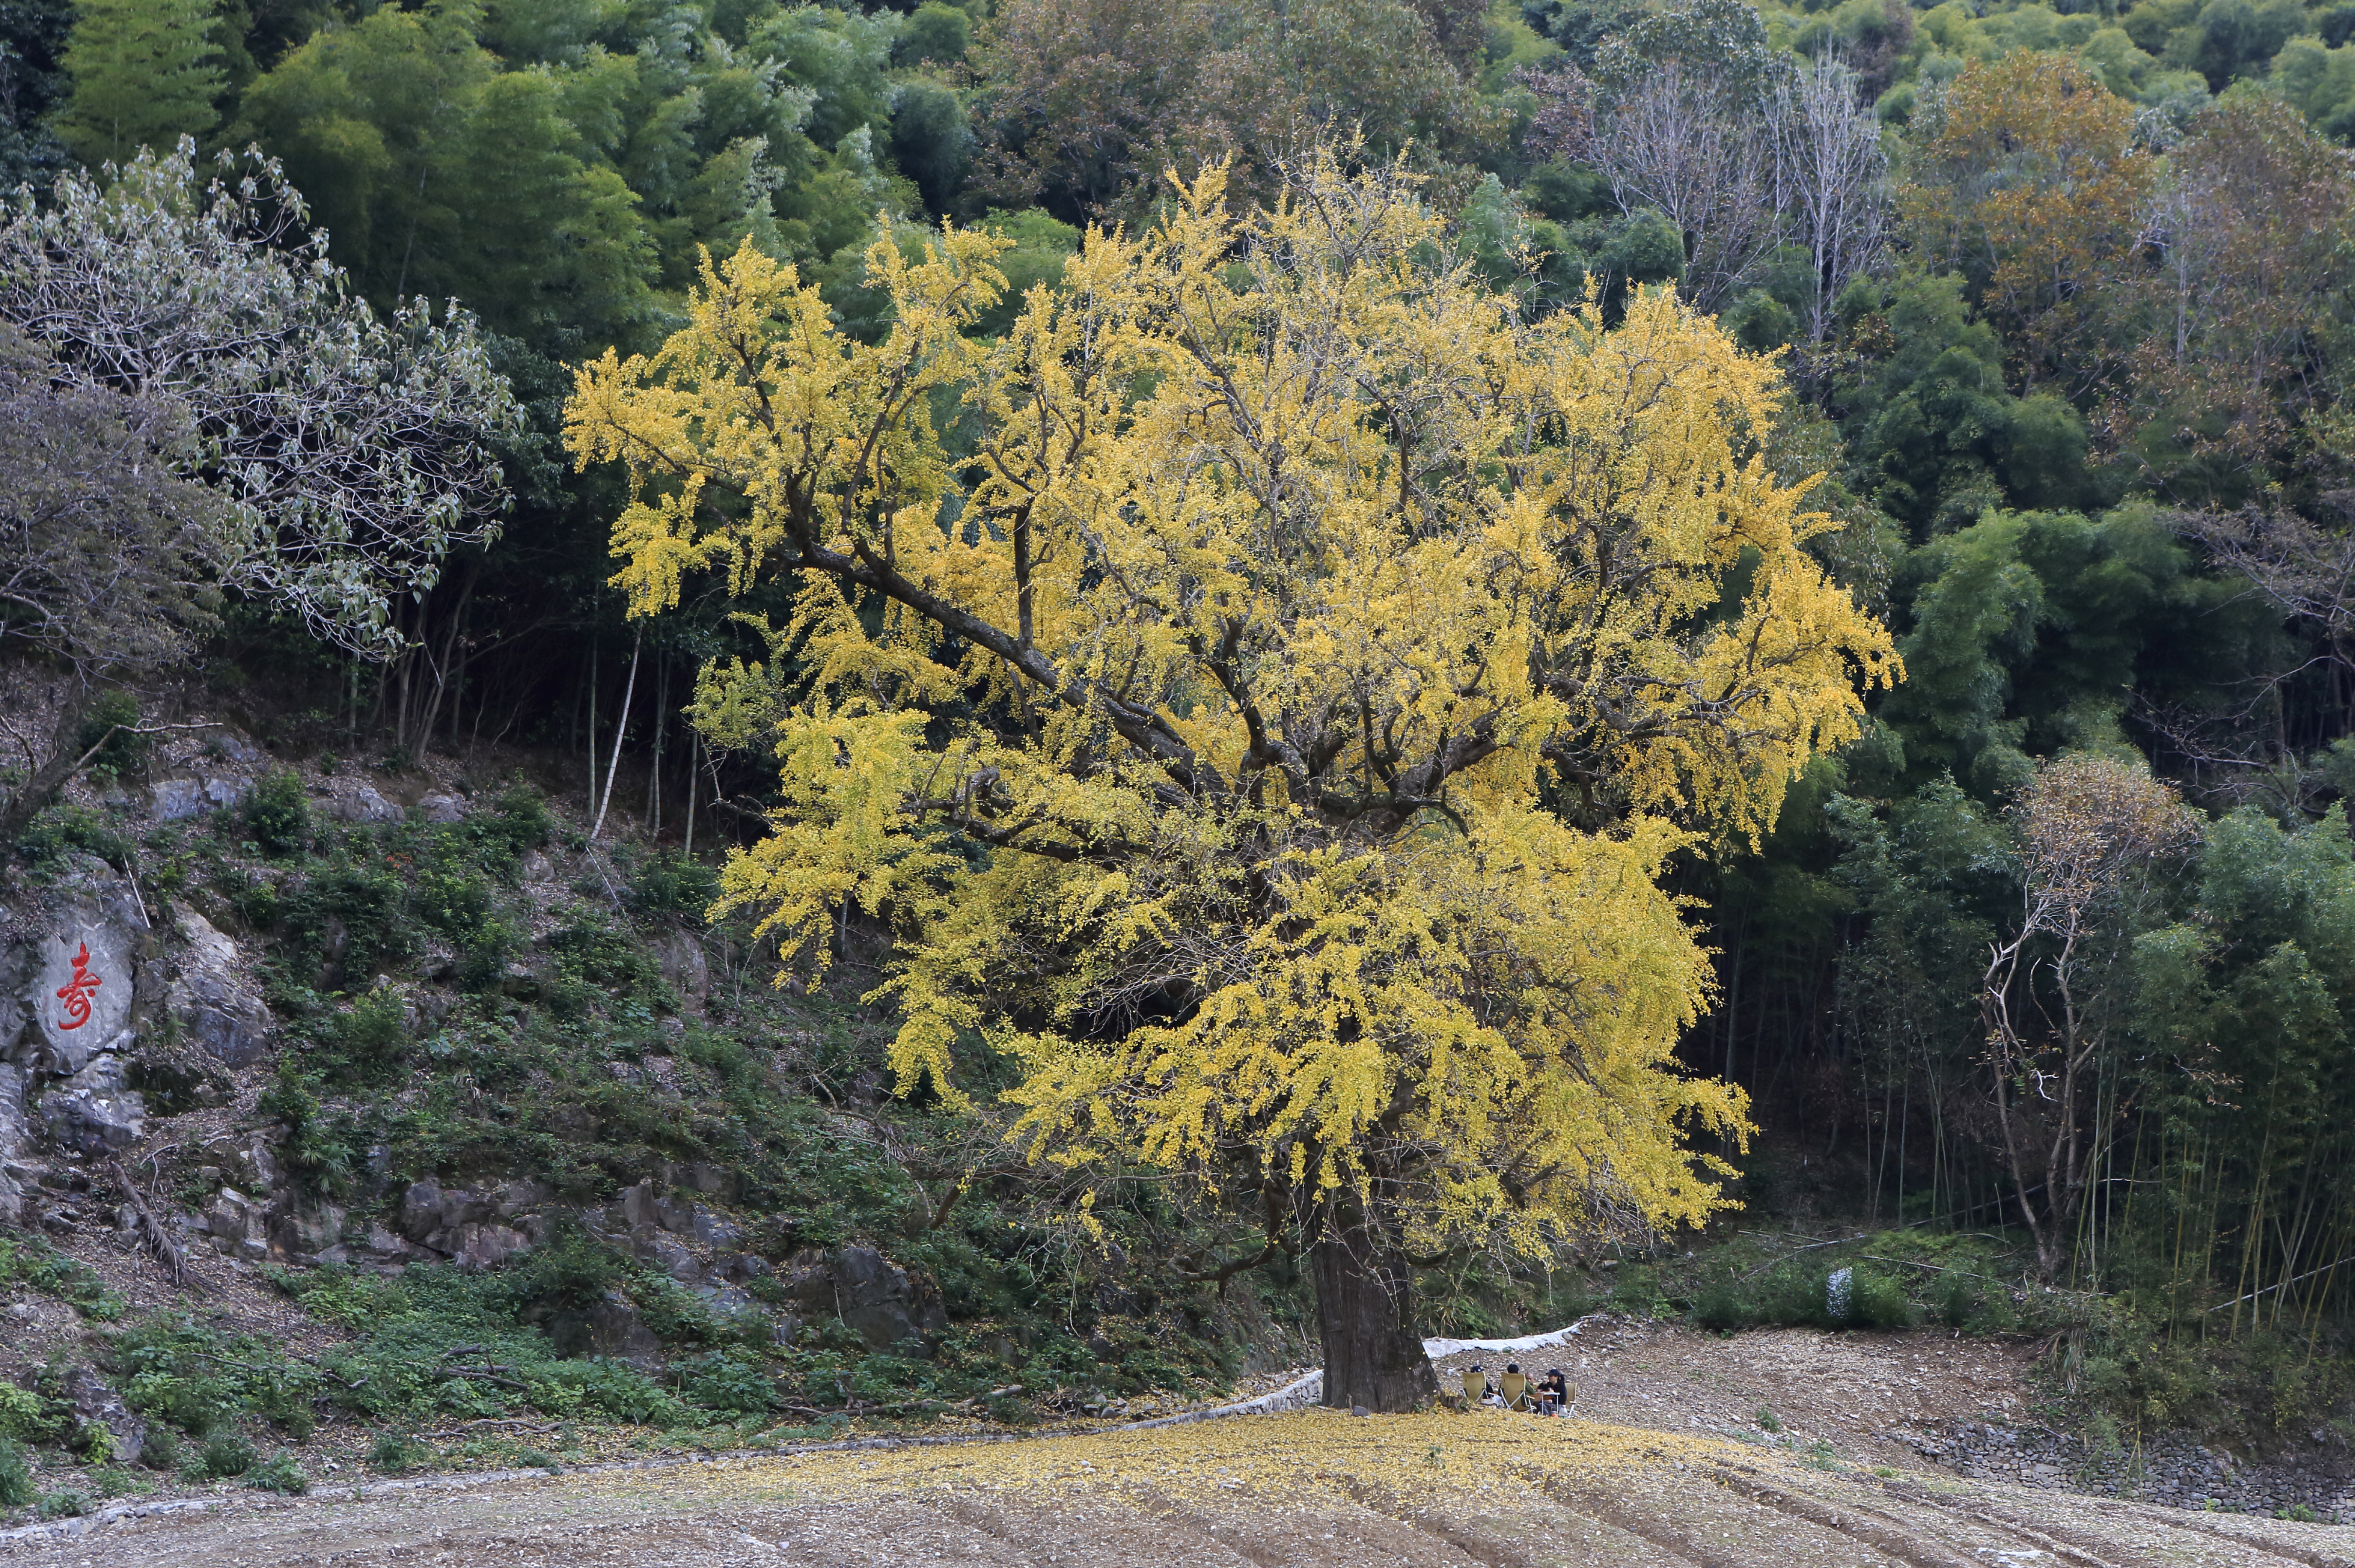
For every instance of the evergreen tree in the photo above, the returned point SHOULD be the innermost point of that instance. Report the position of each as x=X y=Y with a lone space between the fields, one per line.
x=144 y=74
x=32 y=37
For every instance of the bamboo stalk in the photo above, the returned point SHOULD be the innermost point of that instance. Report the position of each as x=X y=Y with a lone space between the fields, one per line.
x=621 y=728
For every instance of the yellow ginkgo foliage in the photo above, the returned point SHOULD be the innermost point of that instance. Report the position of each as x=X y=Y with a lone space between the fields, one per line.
x=1268 y=719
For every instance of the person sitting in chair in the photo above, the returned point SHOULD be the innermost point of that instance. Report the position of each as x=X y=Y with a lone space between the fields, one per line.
x=1553 y=1392
x=1475 y=1383
x=1515 y=1387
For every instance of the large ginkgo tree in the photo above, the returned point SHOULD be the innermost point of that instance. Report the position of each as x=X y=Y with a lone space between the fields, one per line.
x=1268 y=723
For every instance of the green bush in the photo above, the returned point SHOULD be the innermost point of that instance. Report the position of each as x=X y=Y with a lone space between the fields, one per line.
x=163 y=1450
x=32 y=1261
x=112 y=720
x=62 y=830
x=1877 y=1301
x=720 y=1381
x=17 y=1489
x=671 y=884
x=310 y=1150
x=1722 y=1309
x=27 y=1416
x=589 y=950
x=278 y=813
x=518 y=819
x=278 y=1474
x=66 y=1502
x=226 y=1453
x=395 y=1452
x=364 y=1044
x=368 y=898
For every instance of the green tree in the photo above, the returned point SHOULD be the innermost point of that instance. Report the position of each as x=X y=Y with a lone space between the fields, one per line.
x=33 y=35
x=144 y=74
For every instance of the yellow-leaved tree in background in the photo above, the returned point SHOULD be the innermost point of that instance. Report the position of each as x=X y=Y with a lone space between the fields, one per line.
x=1269 y=724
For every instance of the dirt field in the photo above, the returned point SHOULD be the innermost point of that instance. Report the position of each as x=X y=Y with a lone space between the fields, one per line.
x=1867 y=1395
x=1314 y=1487
x=1647 y=1477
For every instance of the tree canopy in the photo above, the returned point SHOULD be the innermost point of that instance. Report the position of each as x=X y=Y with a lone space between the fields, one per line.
x=1273 y=743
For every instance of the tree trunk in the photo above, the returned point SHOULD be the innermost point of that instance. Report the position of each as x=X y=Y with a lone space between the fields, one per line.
x=1365 y=1315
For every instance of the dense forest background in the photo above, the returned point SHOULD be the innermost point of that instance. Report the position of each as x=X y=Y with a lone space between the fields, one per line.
x=2062 y=296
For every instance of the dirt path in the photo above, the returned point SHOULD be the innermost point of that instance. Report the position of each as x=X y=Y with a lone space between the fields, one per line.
x=1315 y=1488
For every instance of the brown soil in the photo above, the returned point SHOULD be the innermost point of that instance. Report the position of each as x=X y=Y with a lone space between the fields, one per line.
x=1654 y=1487
x=1868 y=1396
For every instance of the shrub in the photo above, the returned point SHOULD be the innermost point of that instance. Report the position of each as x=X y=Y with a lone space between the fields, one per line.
x=26 y=1415
x=163 y=1450
x=278 y=814
x=66 y=1502
x=62 y=830
x=278 y=1474
x=17 y=1488
x=1722 y=1309
x=364 y=1044
x=226 y=1453
x=394 y=1451
x=591 y=951
x=671 y=884
x=370 y=900
x=1877 y=1301
x=519 y=820
x=311 y=1153
x=719 y=1380
x=112 y=718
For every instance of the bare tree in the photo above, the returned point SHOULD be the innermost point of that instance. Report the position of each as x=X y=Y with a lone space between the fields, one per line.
x=1832 y=179
x=1694 y=146
x=2092 y=832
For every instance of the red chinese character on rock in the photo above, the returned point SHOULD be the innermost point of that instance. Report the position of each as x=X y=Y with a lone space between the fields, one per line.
x=75 y=993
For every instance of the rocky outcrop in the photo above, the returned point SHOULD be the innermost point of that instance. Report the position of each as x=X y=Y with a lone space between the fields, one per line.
x=685 y=969
x=98 y=1409
x=881 y=1302
x=438 y=806
x=178 y=800
x=219 y=1010
x=72 y=998
x=358 y=801
x=476 y=1229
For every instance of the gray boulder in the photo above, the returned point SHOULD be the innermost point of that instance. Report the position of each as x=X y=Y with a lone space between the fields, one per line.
x=356 y=800
x=307 y=1229
x=615 y=1329
x=875 y=1298
x=82 y=974
x=638 y=1207
x=217 y=1008
x=477 y=1245
x=89 y=1123
x=98 y=1408
x=178 y=800
x=238 y=1225
x=439 y=806
x=421 y=1210
x=13 y=1124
